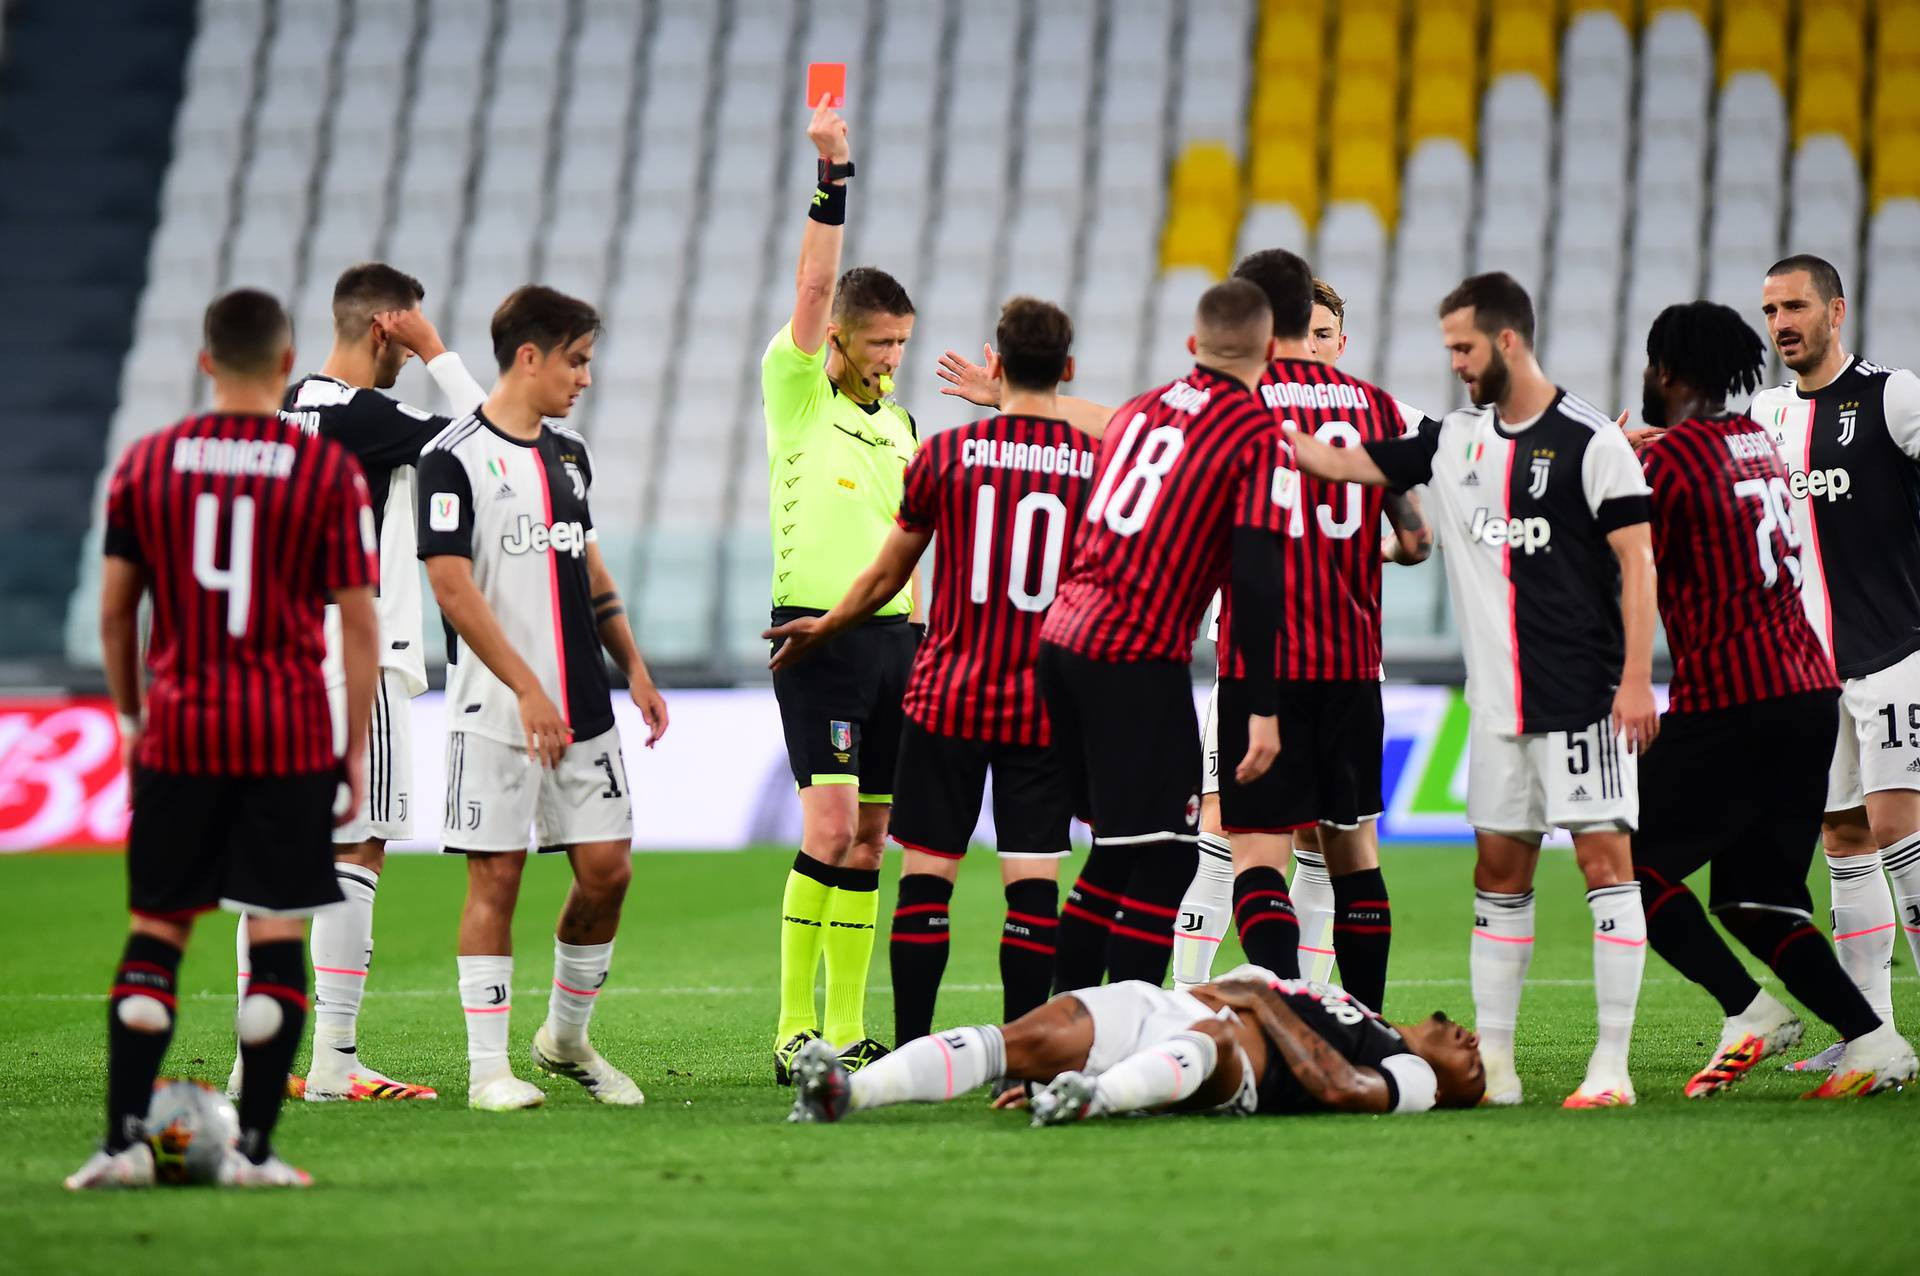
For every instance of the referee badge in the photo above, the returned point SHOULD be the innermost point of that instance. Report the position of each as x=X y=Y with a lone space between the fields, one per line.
x=841 y=734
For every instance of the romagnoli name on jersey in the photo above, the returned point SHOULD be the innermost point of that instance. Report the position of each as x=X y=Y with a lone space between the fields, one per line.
x=1323 y=394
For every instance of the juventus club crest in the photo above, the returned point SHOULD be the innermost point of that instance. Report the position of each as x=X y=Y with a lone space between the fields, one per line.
x=1848 y=413
x=577 y=479
x=1539 y=467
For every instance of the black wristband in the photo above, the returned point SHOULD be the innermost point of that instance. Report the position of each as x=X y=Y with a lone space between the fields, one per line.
x=829 y=206
x=832 y=172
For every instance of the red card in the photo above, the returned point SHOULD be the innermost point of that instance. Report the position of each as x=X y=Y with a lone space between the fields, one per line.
x=828 y=80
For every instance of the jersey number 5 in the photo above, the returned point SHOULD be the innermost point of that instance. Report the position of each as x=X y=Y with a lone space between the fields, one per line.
x=235 y=580
x=1123 y=502
x=1020 y=553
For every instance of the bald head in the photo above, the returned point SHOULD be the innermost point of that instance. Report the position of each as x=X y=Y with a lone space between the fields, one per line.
x=1233 y=325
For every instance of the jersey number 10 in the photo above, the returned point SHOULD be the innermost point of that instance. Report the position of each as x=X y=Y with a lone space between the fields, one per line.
x=1020 y=554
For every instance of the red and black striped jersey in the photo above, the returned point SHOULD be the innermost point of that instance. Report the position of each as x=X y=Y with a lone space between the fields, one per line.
x=244 y=526
x=1330 y=611
x=1727 y=560
x=1180 y=467
x=1001 y=498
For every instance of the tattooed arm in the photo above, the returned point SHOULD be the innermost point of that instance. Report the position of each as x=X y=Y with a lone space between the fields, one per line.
x=1412 y=540
x=1323 y=1072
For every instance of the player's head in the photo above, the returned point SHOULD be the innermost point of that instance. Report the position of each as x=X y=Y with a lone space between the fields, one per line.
x=1287 y=281
x=1030 y=346
x=1328 y=329
x=543 y=339
x=872 y=319
x=1454 y=1055
x=1699 y=353
x=1805 y=306
x=247 y=337
x=363 y=292
x=1233 y=329
x=1487 y=323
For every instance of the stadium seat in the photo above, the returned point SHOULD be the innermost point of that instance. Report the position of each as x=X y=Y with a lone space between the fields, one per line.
x=1753 y=38
x=1520 y=41
x=1351 y=252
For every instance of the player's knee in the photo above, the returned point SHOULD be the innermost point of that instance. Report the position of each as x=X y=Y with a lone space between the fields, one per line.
x=260 y=1019
x=1843 y=838
x=610 y=878
x=1889 y=832
x=144 y=1014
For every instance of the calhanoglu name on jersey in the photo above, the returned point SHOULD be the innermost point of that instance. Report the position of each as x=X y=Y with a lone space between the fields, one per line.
x=1046 y=458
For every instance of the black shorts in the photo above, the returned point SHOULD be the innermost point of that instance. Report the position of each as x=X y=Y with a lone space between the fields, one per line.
x=1129 y=744
x=261 y=844
x=1329 y=765
x=1743 y=789
x=840 y=707
x=942 y=780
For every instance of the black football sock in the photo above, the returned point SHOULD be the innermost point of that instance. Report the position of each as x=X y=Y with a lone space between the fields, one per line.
x=140 y=1013
x=1141 y=944
x=917 y=952
x=1027 y=946
x=1806 y=964
x=1679 y=931
x=272 y=1017
x=1086 y=918
x=1362 y=934
x=1263 y=914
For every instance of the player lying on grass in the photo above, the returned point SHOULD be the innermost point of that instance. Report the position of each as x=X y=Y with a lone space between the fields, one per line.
x=1249 y=1043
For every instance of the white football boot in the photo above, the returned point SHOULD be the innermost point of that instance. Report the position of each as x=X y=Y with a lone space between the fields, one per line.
x=237 y=1171
x=606 y=1083
x=504 y=1093
x=132 y=1166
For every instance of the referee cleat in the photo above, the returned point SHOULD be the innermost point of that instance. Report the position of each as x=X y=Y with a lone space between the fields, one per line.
x=364 y=1084
x=1825 y=1061
x=606 y=1083
x=822 y=1087
x=504 y=1093
x=237 y=1171
x=132 y=1166
x=861 y=1053
x=1881 y=1060
x=784 y=1055
x=1763 y=1030
x=1064 y=1100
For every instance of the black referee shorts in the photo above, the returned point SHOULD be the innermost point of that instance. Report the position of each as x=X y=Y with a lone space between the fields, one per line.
x=261 y=844
x=1129 y=744
x=1329 y=764
x=840 y=707
x=942 y=781
x=1743 y=789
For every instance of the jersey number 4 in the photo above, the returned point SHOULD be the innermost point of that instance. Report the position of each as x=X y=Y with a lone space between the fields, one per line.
x=235 y=580
x=1020 y=554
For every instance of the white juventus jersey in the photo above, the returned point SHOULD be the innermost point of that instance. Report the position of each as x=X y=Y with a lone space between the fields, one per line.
x=519 y=511
x=1522 y=513
x=1852 y=451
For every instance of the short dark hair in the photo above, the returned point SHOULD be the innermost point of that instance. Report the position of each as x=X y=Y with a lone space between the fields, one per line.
x=1708 y=346
x=1826 y=280
x=867 y=290
x=246 y=331
x=1287 y=281
x=548 y=318
x=1032 y=338
x=1233 y=313
x=1324 y=295
x=365 y=290
x=1498 y=302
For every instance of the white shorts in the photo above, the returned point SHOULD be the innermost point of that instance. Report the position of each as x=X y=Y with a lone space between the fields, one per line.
x=1130 y=1016
x=1210 y=742
x=387 y=812
x=495 y=793
x=1876 y=752
x=1581 y=781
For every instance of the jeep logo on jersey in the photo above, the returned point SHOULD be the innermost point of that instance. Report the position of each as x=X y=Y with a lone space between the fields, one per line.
x=1832 y=484
x=1539 y=468
x=529 y=537
x=1524 y=534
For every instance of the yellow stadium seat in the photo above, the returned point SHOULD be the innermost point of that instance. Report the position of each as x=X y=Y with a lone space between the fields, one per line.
x=1896 y=103
x=1207 y=170
x=1271 y=10
x=1622 y=9
x=1291 y=40
x=1387 y=10
x=1832 y=40
x=1440 y=47
x=1547 y=8
x=1444 y=105
x=1701 y=9
x=1366 y=169
x=1754 y=38
x=1896 y=167
x=1198 y=237
x=1896 y=42
x=1286 y=169
x=1365 y=104
x=1828 y=103
x=1367 y=43
x=1523 y=40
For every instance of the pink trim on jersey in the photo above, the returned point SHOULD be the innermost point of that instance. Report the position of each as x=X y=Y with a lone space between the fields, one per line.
x=1513 y=610
x=1813 y=526
x=553 y=584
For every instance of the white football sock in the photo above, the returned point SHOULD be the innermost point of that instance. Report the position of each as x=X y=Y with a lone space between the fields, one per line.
x=1619 y=960
x=486 y=994
x=578 y=972
x=1863 y=926
x=342 y=946
x=1903 y=866
x=932 y=1069
x=1157 y=1076
x=1501 y=952
x=1312 y=892
x=242 y=973
x=1208 y=906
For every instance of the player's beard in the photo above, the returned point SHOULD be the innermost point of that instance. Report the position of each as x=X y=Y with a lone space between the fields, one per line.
x=1653 y=405
x=1491 y=385
x=387 y=365
x=1814 y=344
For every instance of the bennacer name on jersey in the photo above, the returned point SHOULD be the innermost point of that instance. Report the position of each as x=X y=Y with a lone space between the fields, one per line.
x=529 y=537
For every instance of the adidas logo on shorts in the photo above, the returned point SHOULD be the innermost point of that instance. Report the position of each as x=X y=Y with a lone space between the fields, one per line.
x=1579 y=794
x=1914 y=765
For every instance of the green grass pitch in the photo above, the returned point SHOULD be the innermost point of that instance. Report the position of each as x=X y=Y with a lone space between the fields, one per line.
x=709 y=1178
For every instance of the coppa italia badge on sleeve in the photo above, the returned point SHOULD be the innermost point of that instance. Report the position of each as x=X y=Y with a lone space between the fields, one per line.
x=841 y=733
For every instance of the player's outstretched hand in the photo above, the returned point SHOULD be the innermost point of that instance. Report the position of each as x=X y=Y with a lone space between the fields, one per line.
x=354 y=772
x=652 y=706
x=829 y=132
x=1635 y=718
x=1263 y=746
x=548 y=734
x=969 y=381
x=796 y=639
x=1640 y=436
x=412 y=329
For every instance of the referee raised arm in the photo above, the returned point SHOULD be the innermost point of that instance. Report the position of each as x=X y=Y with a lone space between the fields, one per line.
x=837 y=448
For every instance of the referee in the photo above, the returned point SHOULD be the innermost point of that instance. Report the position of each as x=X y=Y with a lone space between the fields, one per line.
x=837 y=450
